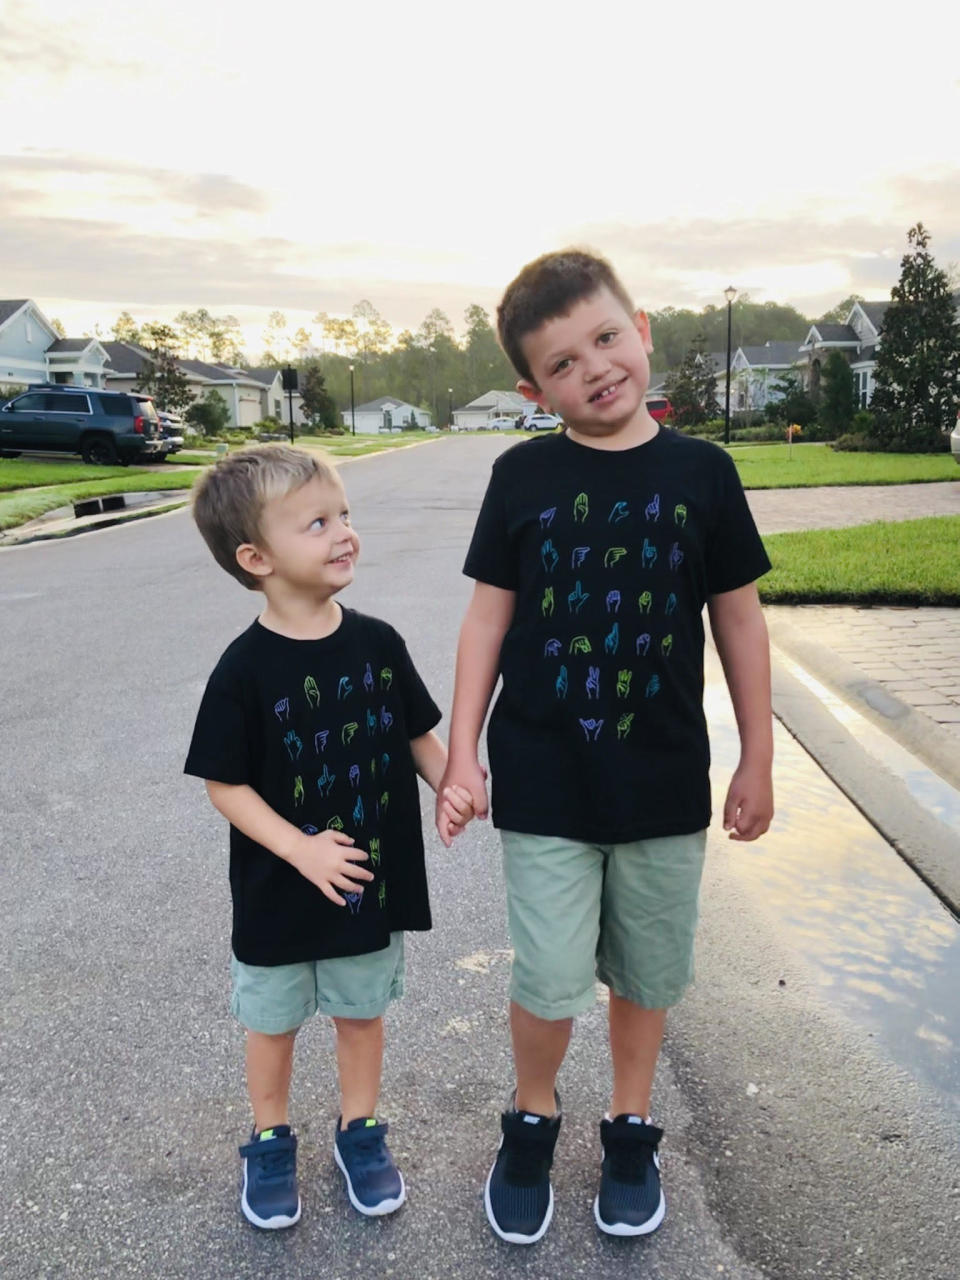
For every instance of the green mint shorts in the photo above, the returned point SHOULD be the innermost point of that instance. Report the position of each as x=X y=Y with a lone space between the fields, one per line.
x=623 y=913
x=278 y=998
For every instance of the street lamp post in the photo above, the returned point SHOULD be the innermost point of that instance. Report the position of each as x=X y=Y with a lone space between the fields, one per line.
x=450 y=414
x=729 y=293
x=353 y=417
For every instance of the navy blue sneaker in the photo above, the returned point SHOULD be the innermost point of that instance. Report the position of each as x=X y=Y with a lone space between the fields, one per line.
x=630 y=1202
x=374 y=1183
x=518 y=1196
x=268 y=1191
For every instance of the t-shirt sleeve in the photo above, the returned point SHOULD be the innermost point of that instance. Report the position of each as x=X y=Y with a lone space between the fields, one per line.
x=735 y=554
x=491 y=557
x=220 y=747
x=420 y=711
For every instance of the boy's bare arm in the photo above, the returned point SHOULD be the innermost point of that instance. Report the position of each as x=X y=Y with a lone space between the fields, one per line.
x=740 y=633
x=488 y=616
x=327 y=860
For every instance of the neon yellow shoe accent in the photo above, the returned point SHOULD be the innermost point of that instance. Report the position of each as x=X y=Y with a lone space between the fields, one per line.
x=370 y=1124
x=267 y=1133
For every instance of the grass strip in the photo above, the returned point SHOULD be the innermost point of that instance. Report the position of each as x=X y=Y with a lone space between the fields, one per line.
x=771 y=466
x=906 y=562
x=15 y=474
x=18 y=508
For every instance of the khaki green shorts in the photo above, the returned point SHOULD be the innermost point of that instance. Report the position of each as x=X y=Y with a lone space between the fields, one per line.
x=278 y=998
x=623 y=913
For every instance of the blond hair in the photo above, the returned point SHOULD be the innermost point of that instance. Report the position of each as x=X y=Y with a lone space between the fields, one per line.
x=229 y=498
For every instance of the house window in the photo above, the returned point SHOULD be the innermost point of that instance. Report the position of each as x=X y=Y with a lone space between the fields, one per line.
x=29 y=330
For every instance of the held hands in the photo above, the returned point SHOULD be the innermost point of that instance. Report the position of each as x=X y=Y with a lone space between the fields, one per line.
x=748 y=811
x=329 y=861
x=461 y=795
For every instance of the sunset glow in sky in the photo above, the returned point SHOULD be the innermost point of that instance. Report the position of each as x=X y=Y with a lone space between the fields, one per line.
x=246 y=157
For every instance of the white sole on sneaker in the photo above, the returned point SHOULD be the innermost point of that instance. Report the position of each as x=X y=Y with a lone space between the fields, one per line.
x=625 y=1228
x=278 y=1221
x=376 y=1211
x=514 y=1237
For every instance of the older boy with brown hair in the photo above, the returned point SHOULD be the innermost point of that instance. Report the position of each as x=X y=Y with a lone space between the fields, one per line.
x=594 y=553
x=311 y=732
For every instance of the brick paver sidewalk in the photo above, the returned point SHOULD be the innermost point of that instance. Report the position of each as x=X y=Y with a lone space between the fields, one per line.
x=914 y=653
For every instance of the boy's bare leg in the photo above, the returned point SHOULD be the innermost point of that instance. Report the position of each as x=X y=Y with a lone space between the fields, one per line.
x=539 y=1046
x=359 y=1061
x=636 y=1035
x=269 y=1067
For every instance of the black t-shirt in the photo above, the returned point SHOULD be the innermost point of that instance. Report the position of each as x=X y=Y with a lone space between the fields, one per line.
x=321 y=730
x=598 y=733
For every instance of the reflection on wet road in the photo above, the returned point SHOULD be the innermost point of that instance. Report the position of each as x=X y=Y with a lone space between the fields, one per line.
x=886 y=948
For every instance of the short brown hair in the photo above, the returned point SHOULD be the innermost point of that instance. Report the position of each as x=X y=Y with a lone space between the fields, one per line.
x=229 y=498
x=547 y=288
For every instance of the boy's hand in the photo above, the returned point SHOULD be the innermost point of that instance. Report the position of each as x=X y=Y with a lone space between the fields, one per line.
x=748 y=811
x=329 y=861
x=469 y=779
x=456 y=804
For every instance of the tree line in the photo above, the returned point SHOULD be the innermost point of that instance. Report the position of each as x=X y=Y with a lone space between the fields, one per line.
x=917 y=375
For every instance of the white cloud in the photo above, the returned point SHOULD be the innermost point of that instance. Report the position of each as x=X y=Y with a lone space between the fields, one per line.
x=304 y=157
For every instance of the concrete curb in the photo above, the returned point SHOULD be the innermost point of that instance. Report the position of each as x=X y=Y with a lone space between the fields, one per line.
x=924 y=843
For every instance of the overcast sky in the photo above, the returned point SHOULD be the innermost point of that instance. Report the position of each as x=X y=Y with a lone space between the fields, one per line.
x=246 y=157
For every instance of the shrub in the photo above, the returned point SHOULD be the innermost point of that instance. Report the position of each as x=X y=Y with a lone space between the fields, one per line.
x=857 y=442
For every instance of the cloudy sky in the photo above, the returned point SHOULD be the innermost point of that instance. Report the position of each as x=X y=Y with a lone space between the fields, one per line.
x=246 y=157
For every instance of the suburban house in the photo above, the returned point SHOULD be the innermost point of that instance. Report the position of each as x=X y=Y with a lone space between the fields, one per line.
x=754 y=371
x=386 y=413
x=857 y=340
x=245 y=395
x=494 y=404
x=31 y=350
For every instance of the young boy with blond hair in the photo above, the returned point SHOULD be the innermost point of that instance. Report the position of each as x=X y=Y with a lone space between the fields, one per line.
x=593 y=555
x=310 y=735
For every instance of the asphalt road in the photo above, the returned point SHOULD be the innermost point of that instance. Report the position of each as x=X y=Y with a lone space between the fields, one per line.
x=809 y=1085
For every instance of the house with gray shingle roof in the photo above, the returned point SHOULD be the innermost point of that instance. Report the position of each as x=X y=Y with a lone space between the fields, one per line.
x=755 y=371
x=857 y=339
x=243 y=393
x=386 y=413
x=492 y=404
x=31 y=350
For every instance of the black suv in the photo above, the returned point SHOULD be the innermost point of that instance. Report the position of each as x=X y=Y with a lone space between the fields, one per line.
x=104 y=427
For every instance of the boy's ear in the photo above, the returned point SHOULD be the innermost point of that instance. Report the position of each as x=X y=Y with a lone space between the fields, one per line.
x=252 y=560
x=641 y=322
x=530 y=391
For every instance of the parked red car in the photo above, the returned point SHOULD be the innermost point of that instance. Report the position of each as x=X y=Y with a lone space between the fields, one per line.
x=659 y=408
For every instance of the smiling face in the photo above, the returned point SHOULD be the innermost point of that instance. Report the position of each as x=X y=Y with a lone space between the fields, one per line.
x=591 y=367
x=307 y=545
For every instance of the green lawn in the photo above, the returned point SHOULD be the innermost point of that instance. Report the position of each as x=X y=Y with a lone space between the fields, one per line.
x=910 y=562
x=18 y=508
x=18 y=474
x=771 y=466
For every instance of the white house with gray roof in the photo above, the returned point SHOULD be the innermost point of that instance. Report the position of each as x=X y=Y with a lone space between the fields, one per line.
x=494 y=404
x=31 y=350
x=386 y=413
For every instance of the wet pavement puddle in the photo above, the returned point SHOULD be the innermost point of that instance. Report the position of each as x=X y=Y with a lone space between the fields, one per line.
x=882 y=943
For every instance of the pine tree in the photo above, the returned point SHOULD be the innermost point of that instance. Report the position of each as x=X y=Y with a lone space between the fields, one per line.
x=918 y=359
x=837 y=406
x=692 y=389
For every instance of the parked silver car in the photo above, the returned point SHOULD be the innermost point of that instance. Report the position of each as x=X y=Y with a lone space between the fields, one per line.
x=955 y=439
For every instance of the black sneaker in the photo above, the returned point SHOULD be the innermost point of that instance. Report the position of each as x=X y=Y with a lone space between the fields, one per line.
x=268 y=1190
x=518 y=1196
x=374 y=1183
x=631 y=1200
